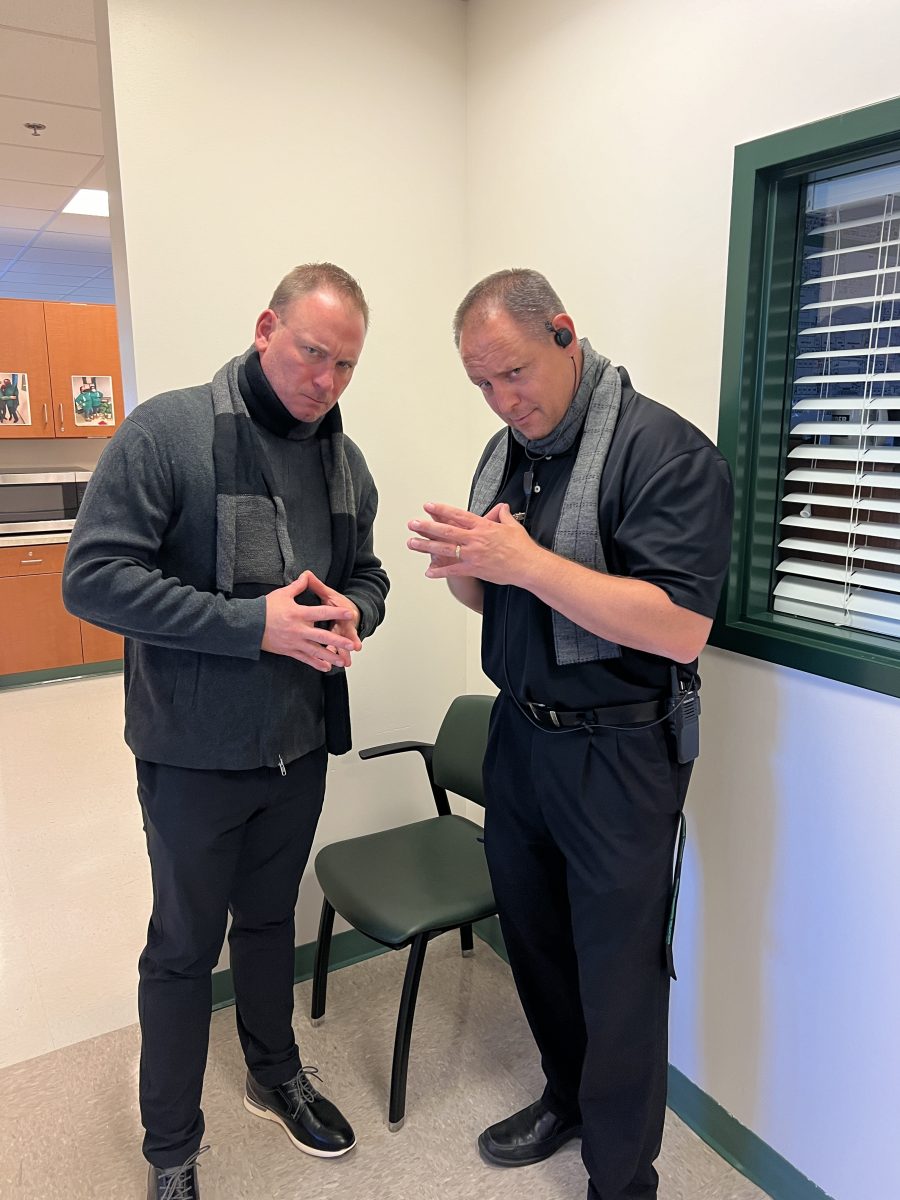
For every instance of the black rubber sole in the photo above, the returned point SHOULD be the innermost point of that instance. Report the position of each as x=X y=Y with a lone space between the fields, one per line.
x=547 y=1150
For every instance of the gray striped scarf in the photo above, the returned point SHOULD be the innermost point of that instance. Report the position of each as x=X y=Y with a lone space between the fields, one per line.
x=596 y=403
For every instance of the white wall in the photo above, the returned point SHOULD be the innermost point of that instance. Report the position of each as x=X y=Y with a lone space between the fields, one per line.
x=600 y=151
x=250 y=138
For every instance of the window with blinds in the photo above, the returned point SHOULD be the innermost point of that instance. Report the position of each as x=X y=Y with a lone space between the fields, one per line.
x=838 y=544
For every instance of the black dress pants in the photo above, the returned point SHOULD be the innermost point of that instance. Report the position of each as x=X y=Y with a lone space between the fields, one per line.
x=579 y=832
x=219 y=841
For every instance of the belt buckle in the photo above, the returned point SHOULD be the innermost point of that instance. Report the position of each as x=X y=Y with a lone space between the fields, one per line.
x=540 y=711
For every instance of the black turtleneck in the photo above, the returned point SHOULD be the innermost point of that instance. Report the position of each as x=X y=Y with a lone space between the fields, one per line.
x=263 y=404
x=295 y=460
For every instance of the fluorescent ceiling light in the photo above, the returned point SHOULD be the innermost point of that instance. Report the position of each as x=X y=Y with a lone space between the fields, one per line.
x=89 y=202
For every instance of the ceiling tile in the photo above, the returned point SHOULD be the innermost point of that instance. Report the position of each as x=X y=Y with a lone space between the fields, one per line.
x=39 y=67
x=77 y=130
x=51 y=240
x=24 y=218
x=107 y=297
x=70 y=261
x=44 y=166
x=97 y=227
x=14 y=292
x=15 y=237
x=33 y=195
x=65 y=18
x=34 y=274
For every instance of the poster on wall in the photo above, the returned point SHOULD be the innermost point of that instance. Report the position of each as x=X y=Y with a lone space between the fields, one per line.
x=15 y=407
x=92 y=396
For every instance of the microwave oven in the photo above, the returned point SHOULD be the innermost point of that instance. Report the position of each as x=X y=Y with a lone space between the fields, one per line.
x=40 y=501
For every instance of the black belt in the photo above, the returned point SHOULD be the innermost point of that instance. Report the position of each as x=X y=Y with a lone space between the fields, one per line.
x=612 y=715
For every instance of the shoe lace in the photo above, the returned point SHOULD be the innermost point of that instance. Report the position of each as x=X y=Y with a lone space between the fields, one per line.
x=180 y=1181
x=300 y=1090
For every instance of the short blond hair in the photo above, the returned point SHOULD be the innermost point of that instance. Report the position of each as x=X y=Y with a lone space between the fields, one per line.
x=313 y=277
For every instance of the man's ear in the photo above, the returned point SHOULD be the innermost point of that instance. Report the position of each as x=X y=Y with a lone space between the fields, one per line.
x=265 y=327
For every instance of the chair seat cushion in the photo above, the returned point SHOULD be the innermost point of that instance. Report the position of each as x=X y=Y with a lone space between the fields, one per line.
x=396 y=883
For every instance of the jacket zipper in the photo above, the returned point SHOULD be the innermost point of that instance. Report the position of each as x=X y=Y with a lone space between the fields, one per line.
x=282 y=768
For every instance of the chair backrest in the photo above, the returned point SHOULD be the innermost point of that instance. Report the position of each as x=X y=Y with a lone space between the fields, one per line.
x=459 y=747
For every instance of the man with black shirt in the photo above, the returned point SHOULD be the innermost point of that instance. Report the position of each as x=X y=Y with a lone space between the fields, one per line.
x=227 y=533
x=595 y=546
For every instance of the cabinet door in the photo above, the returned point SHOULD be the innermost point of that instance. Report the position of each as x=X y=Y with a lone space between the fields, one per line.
x=99 y=645
x=24 y=371
x=38 y=633
x=85 y=372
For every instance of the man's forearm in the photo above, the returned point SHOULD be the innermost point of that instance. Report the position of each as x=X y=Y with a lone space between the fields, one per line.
x=468 y=591
x=630 y=612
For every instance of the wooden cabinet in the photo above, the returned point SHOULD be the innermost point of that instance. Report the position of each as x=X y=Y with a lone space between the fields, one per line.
x=38 y=632
x=70 y=356
x=25 y=412
x=99 y=645
x=85 y=372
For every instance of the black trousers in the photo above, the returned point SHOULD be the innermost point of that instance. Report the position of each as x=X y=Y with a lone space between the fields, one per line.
x=580 y=832
x=219 y=841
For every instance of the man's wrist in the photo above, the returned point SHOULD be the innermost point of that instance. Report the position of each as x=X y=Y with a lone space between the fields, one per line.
x=534 y=568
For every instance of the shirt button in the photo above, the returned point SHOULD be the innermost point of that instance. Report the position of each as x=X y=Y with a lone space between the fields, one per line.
x=537 y=487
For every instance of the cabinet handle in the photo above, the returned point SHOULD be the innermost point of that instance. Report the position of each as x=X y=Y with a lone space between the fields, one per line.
x=62 y=417
x=30 y=562
x=46 y=417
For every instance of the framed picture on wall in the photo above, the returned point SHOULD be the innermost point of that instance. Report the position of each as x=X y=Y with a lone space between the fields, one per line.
x=92 y=397
x=15 y=408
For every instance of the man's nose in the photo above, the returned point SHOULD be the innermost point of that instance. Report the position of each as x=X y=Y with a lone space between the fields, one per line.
x=325 y=378
x=506 y=400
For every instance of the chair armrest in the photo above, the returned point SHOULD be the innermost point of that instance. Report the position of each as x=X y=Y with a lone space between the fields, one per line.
x=426 y=749
x=398 y=748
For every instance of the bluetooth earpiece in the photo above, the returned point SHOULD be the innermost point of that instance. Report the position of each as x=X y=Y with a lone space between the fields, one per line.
x=562 y=337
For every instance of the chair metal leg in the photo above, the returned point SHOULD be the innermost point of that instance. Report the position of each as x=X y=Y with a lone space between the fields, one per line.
x=320 y=967
x=397 y=1112
x=466 y=941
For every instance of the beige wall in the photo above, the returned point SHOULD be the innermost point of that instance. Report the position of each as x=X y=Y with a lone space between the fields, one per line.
x=600 y=143
x=250 y=138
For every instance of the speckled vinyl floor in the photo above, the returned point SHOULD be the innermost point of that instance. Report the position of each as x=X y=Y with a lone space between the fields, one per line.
x=69 y=1123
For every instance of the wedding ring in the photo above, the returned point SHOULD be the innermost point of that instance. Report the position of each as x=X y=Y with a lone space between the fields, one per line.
x=458 y=551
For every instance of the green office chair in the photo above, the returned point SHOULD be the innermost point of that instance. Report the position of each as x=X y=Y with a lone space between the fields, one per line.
x=405 y=886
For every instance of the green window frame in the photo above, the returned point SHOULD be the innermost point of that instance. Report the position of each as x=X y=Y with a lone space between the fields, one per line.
x=757 y=362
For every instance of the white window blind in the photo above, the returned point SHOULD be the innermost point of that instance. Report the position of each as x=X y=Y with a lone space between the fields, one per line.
x=838 y=558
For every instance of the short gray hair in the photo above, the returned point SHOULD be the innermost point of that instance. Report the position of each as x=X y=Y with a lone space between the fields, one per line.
x=519 y=291
x=313 y=277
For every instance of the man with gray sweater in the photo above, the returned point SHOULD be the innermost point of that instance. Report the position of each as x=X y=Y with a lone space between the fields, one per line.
x=227 y=534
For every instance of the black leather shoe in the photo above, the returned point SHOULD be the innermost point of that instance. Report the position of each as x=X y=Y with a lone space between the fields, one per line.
x=527 y=1137
x=175 y=1183
x=313 y=1123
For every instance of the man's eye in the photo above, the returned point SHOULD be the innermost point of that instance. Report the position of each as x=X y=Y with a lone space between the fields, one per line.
x=346 y=366
x=514 y=373
x=312 y=351
x=484 y=385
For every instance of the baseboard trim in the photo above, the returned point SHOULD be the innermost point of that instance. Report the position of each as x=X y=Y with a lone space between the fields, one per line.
x=738 y=1145
x=54 y=674
x=731 y=1140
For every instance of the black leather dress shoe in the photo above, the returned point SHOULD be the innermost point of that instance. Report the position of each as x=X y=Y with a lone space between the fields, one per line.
x=175 y=1183
x=313 y=1123
x=527 y=1137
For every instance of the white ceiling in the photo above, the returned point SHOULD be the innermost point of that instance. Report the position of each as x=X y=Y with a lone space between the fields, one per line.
x=49 y=75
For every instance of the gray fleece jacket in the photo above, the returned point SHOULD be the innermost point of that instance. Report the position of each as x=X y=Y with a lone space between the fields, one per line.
x=199 y=692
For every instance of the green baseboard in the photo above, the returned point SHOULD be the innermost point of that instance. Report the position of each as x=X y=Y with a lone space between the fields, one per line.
x=52 y=675
x=738 y=1145
x=721 y=1131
